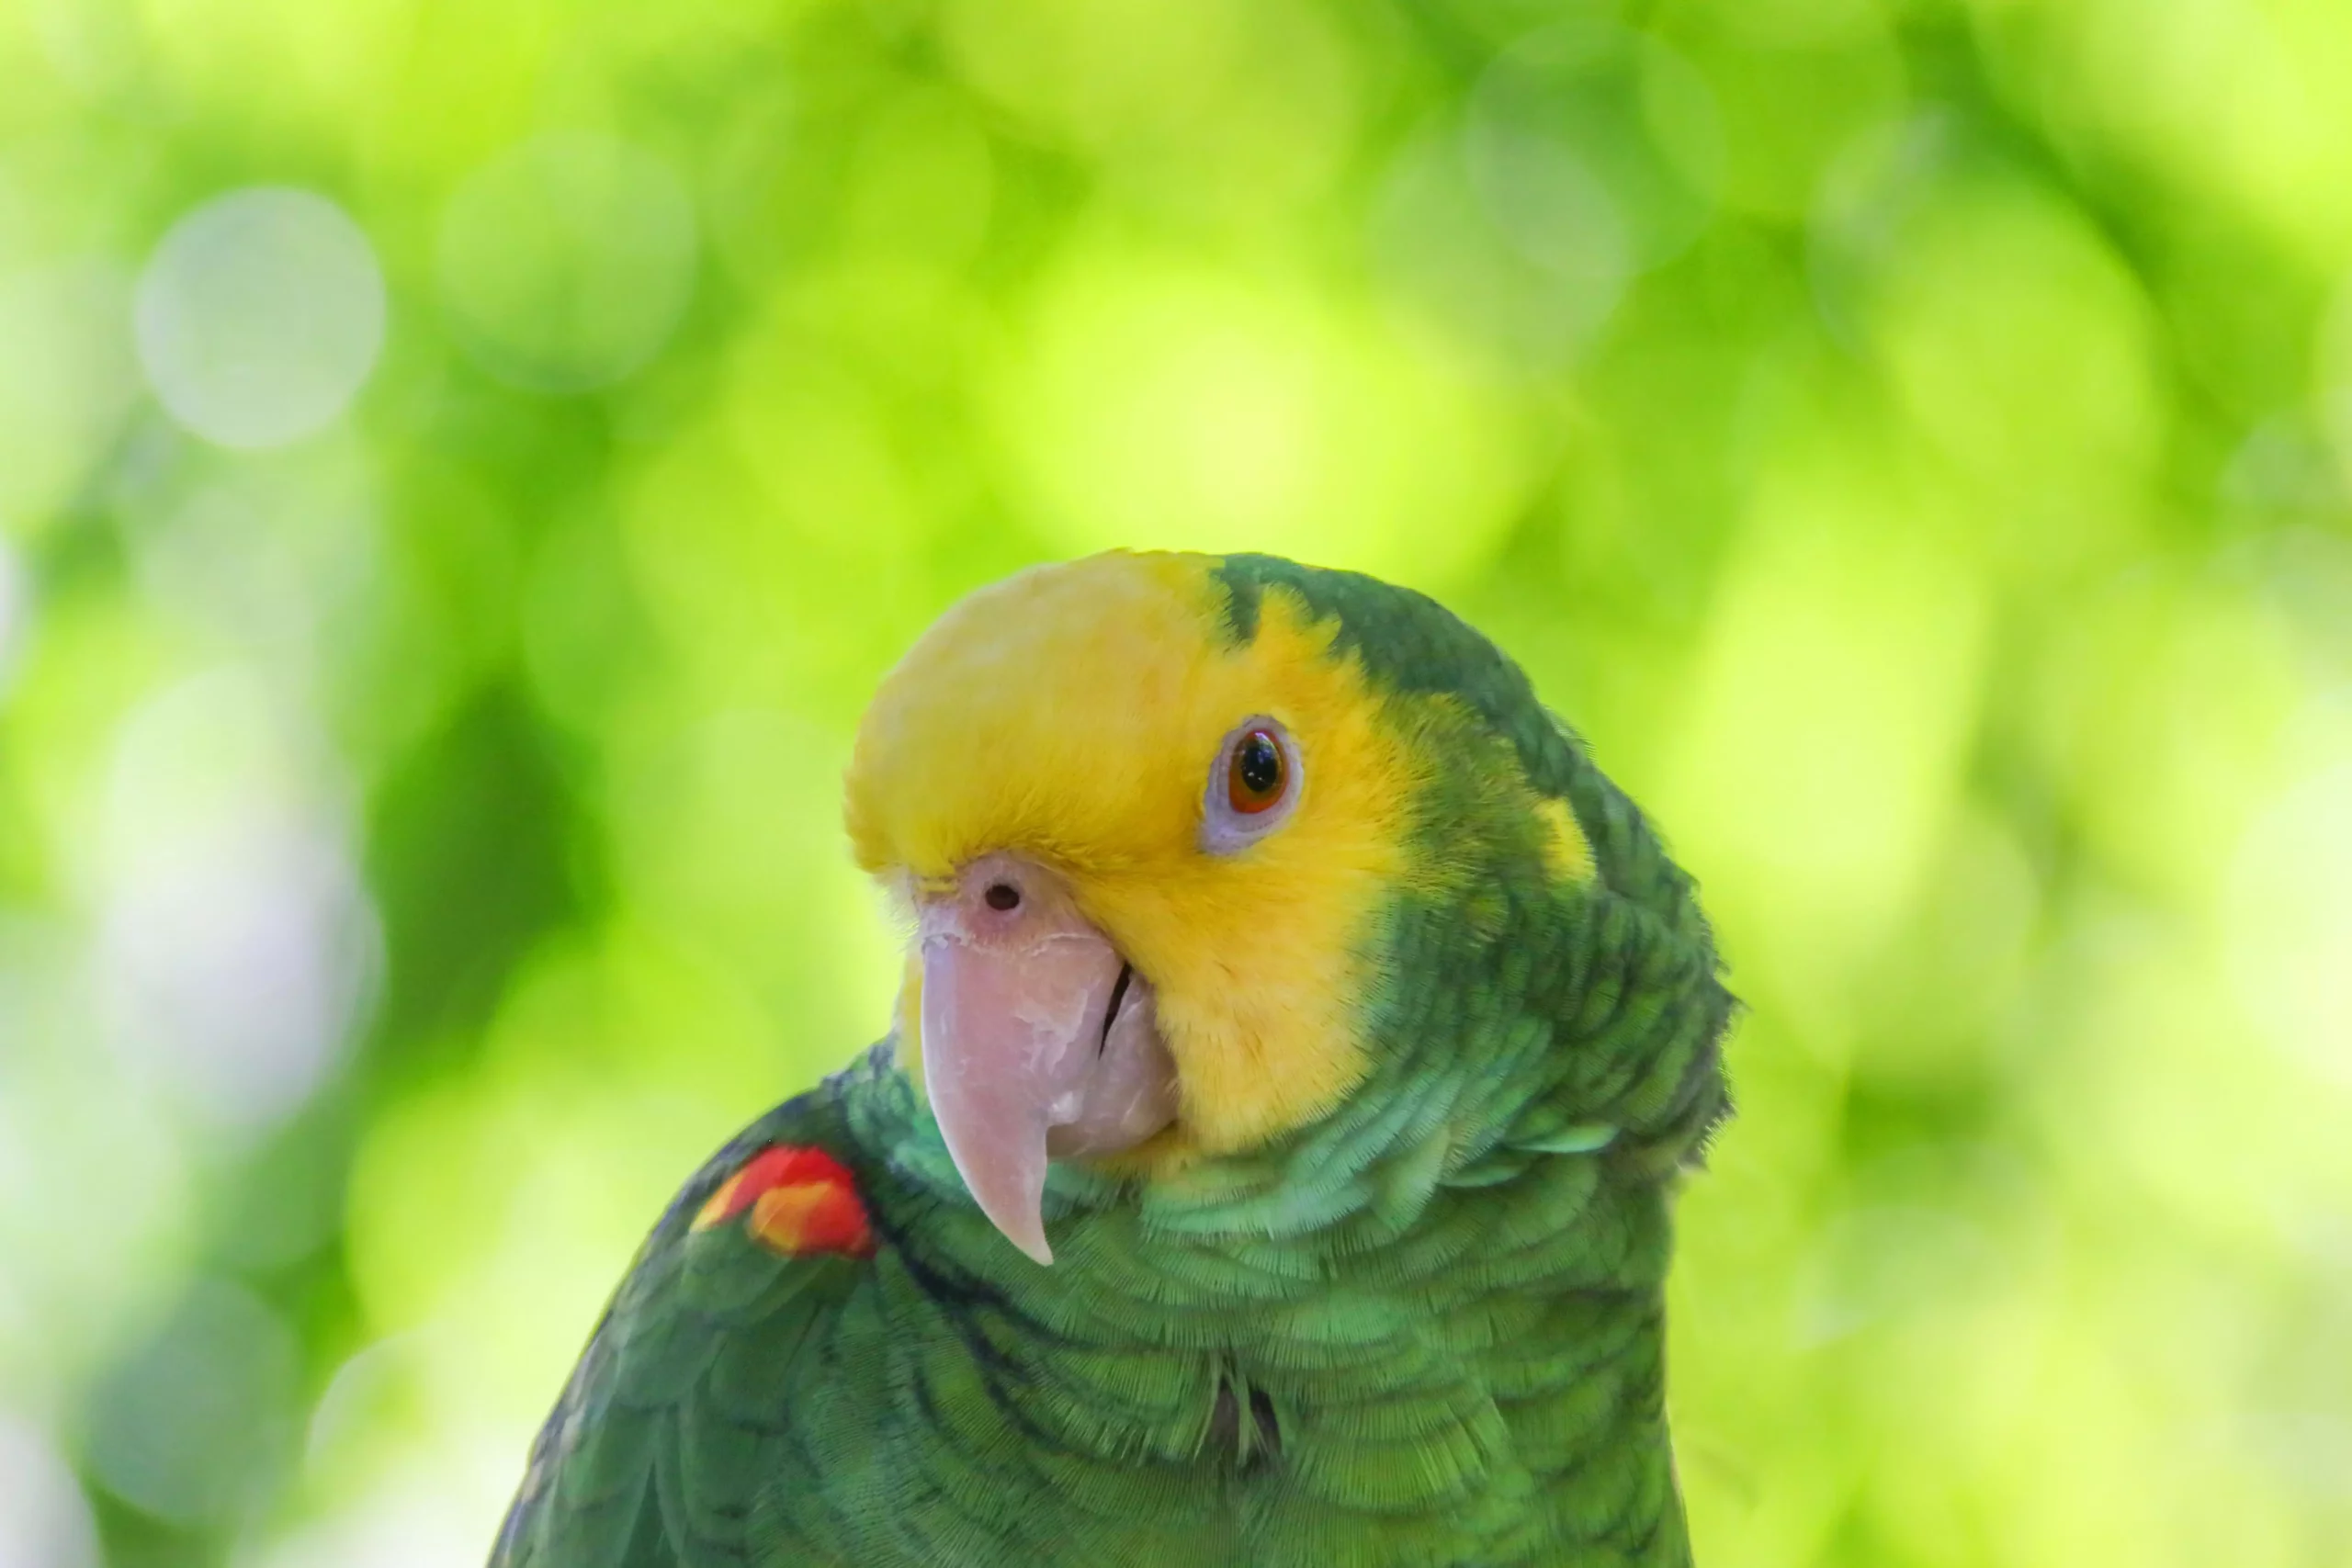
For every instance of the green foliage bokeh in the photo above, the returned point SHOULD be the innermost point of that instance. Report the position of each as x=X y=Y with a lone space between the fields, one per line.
x=463 y=466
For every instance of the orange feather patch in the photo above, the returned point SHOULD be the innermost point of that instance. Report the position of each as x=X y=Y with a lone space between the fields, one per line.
x=801 y=1200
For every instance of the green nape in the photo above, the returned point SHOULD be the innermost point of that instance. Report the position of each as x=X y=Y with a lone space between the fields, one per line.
x=1411 y=644
x=1424 y=1329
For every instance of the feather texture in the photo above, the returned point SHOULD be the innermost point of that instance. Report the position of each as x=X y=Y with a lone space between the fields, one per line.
x=1421 y=1328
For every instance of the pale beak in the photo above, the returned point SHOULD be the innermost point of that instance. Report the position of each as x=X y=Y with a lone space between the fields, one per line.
x=1039 y=1040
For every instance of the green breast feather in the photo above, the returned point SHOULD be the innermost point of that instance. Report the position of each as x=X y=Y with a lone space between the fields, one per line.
x=1424 y=1327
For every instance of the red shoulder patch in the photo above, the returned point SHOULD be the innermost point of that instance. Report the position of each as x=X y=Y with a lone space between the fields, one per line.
x=800 y=1199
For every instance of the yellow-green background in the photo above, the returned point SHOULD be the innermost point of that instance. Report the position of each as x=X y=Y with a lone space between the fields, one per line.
x=463 y=464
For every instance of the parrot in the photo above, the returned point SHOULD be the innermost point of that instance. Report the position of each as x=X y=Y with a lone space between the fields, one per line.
x=1270 y=1161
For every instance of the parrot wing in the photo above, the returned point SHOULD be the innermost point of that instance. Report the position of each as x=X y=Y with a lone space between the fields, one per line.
x=680 y=1411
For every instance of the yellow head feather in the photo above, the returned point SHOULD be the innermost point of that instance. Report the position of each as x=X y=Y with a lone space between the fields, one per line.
x=1073 y=713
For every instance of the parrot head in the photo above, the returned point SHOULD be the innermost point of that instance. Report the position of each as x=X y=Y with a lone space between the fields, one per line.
x=1188 y=843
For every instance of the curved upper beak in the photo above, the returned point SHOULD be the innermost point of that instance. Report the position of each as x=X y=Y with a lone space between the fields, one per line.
x=1038 y=1039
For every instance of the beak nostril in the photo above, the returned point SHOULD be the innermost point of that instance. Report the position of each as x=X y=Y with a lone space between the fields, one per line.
x=1002 y=895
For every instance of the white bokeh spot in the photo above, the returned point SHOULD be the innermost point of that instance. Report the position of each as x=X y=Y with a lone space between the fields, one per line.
x=236 y=947
x=2289 y=922
x=260 y=316
x=15 y=611
x=44 y=1519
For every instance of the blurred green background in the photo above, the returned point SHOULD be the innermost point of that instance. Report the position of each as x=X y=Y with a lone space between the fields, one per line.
x=464 y=466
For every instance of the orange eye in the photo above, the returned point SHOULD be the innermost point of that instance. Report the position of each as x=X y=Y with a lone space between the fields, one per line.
x=1256 y=777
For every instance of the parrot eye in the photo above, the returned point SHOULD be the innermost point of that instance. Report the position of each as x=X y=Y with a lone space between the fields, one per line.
x=1254 y=778
x=1253 y=788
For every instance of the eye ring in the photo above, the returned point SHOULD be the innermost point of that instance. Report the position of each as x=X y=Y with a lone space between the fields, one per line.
x=1254 y=784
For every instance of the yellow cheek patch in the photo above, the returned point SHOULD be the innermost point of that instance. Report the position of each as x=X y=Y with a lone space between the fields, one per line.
x=1075 y=714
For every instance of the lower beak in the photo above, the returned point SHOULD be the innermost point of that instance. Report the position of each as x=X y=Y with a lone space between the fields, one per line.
x=1039 y=1041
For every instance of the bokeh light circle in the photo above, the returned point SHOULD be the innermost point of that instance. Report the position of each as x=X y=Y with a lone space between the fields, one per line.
x=565 y=263
x=259 y=316
x=14 y=606
x=1588 y=135
x=190 y=1425
x=236 y=948
x=1173 y=405
x=2289 y=922
x=44 y=1522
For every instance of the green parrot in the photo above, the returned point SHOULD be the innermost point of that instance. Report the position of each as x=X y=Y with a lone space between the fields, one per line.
x=1270 y=1162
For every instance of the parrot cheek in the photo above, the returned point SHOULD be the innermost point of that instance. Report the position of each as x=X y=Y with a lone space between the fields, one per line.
x=1037 y=1040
